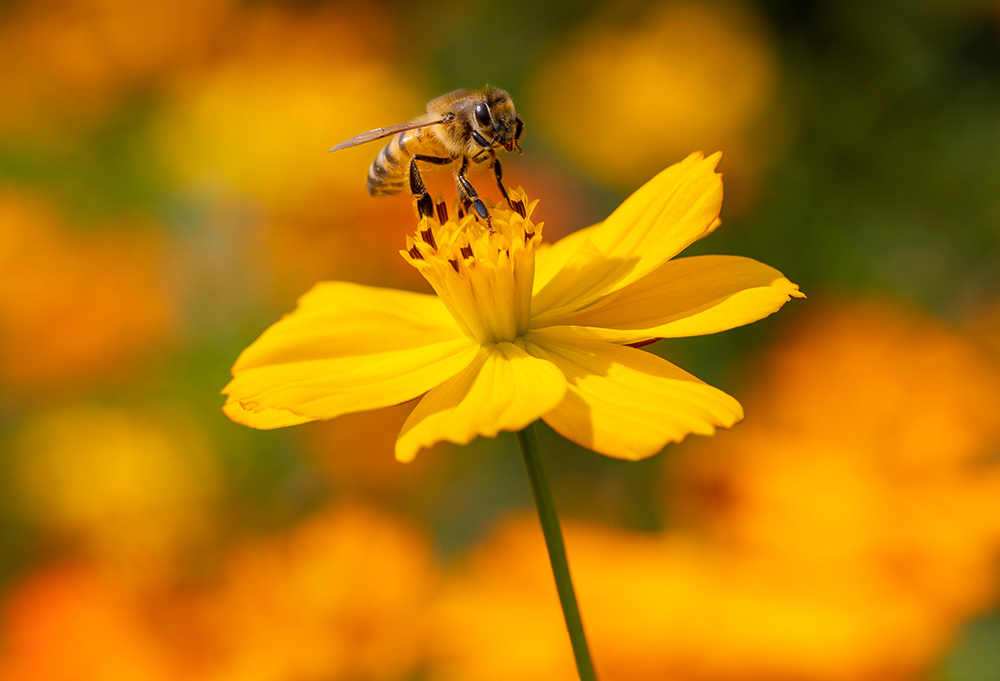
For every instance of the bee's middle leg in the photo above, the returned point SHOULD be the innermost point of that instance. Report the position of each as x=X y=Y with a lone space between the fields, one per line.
x=465 y=188
x=425 y=206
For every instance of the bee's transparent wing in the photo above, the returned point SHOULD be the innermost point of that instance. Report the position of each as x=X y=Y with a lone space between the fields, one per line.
x=379 y=133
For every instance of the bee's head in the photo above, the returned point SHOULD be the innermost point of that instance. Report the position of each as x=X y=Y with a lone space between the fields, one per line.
x=497 y=121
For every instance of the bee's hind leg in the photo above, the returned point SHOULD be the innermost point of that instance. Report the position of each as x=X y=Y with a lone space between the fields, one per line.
x=425 y=206
x=466 y=189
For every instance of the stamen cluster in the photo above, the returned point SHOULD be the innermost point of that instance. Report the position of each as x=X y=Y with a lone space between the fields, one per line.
x=482 y=273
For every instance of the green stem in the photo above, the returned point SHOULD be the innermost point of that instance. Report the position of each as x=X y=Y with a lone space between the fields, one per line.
x=557 y=550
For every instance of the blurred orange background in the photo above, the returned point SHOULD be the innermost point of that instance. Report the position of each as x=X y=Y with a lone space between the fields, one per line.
x=165 y=194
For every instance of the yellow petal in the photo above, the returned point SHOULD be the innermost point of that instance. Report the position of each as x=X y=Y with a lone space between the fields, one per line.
x=337 y=319
x=505 y=388
x=550 y=258
x=264 y=418
x=668 y=213
x=624 y=402
x=685 y=297
x=325 y=388
x=346 y=348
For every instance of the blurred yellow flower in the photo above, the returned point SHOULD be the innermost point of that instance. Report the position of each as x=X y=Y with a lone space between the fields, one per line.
x=917 y=392
x=64 y=65
x=260 y=121
x=871 y=449
x=497 y=616
x=672 y=606
x=870 y=468
x=509 y=339
x=68 y=623
x=802 y=550
x=341 y=598
x=134 y=489
x=77 y=308
x=620 y=100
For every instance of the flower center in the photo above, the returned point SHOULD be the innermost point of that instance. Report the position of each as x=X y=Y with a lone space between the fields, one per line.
x=484 y=278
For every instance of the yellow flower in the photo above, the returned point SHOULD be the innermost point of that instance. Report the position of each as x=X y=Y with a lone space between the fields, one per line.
x=78 y=309
x=340 y=597
x=77 y=61
x=698 y=73
x=133 y=489
x=73 y=621
x=256 y=122
x=521 y=331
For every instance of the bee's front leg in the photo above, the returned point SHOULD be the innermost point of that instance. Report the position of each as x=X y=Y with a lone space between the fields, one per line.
x=518 y=205
x=425 y=206
x=466 y=189
x=498 y=171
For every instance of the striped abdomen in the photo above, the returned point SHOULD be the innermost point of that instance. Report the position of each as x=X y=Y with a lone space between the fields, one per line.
x=390 y=171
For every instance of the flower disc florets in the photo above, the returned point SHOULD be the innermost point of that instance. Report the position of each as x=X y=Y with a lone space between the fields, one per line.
x=483 y=277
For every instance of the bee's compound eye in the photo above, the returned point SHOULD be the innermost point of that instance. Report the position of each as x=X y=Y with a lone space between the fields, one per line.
x=483 y=115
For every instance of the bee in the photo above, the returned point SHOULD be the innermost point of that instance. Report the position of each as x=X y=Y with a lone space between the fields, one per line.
x=461 y=130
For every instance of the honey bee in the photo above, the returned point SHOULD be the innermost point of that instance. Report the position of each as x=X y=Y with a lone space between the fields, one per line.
x=461 y=130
